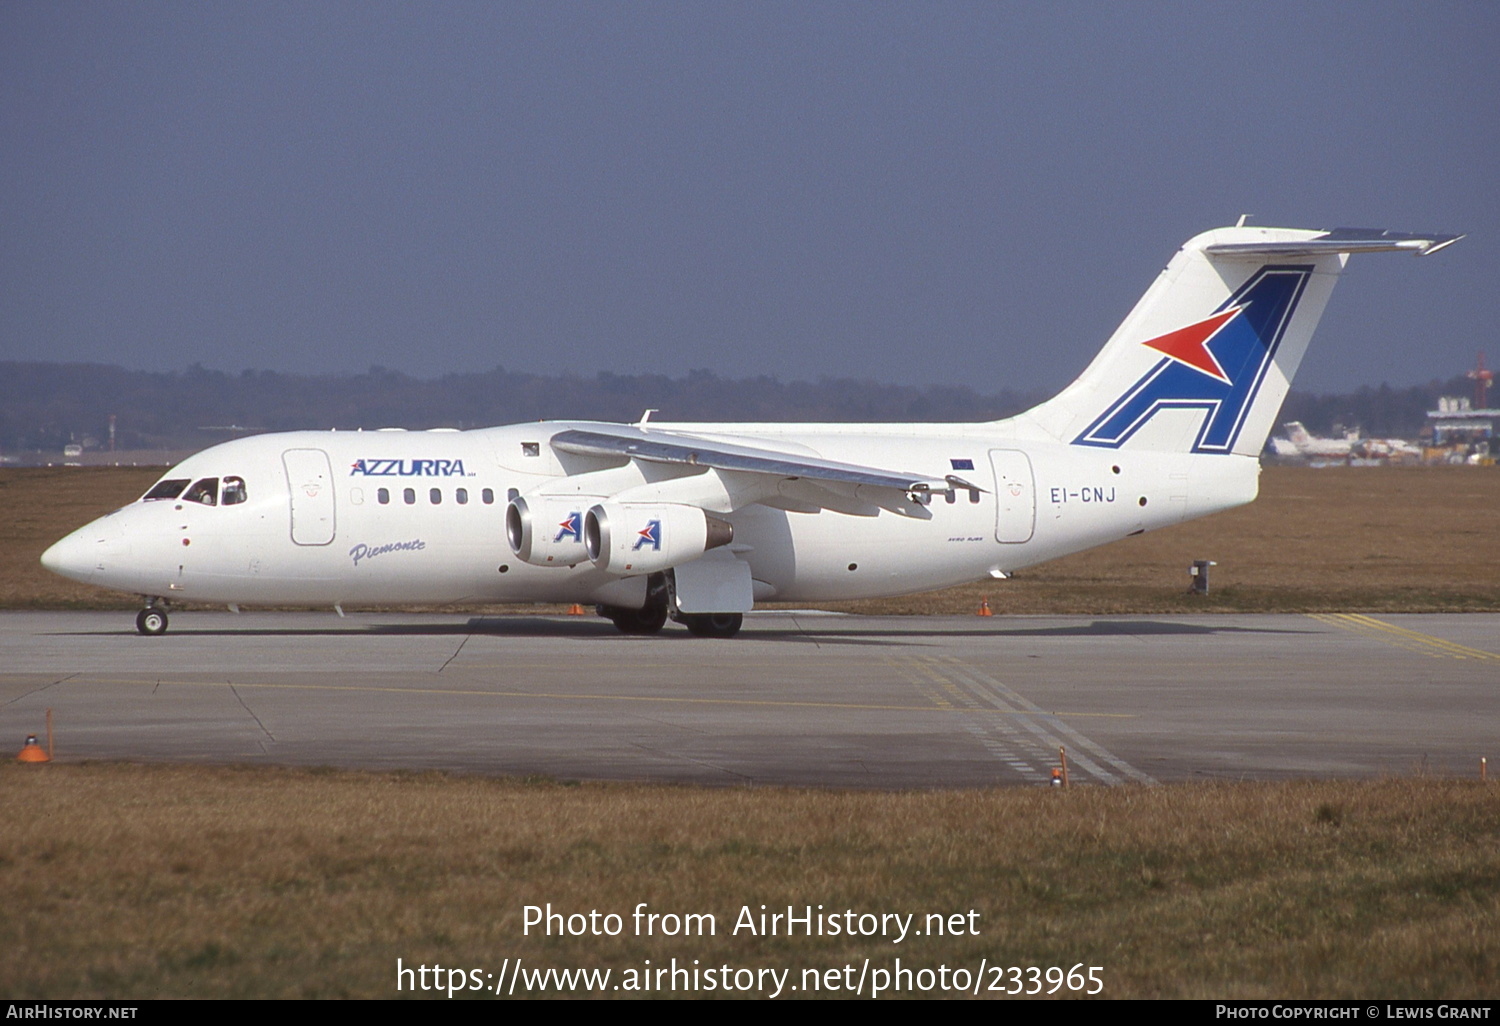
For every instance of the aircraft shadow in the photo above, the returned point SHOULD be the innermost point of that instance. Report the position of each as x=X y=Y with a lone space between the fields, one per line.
x=831 y=632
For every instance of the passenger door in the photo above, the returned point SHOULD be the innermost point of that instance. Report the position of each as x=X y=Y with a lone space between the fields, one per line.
x=1015 y=495
x=309 y=479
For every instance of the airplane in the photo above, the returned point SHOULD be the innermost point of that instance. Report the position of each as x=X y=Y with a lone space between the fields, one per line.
x=1305 y=443
x=1301 y=442
x=697 y=522
x=1388 y=448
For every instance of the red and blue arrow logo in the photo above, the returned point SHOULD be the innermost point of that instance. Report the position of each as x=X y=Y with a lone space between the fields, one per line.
x=1189 y=346
x=1215 y=365
x=570 y=528
x=650 y=535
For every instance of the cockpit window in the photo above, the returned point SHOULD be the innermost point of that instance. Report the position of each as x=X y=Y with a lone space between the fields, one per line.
x=234 y=491
x=167 y=489
x=205 y=491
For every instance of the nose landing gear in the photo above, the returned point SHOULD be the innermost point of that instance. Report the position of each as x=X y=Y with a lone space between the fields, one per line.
x=152 y=620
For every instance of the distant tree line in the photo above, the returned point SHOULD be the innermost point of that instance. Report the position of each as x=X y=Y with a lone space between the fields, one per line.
x=44 y=406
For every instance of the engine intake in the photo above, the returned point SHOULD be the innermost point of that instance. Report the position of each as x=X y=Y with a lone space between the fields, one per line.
x=546 y=531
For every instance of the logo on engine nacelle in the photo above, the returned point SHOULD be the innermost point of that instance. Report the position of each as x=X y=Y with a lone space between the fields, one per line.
x=648 y=535
x=570 y=528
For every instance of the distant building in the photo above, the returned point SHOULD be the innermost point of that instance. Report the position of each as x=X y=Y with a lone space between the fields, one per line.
x=1455 y=421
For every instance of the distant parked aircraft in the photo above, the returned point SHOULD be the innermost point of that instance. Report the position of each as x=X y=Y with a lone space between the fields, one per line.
x=1305 y=443
x=1301 y=442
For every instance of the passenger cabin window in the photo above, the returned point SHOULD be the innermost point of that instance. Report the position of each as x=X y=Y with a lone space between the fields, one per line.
x=460 y=495
x=383 y=496
x=435 y=496
x=205 y=491
x=166 y=489
x=409 y=496
x=234 y=491
x=488 y=495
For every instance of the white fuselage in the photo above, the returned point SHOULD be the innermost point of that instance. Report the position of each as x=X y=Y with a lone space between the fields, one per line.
x=419 y=517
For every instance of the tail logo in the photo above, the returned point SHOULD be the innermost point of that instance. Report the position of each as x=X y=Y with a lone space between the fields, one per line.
x=1189 y=345
x=1215 y=365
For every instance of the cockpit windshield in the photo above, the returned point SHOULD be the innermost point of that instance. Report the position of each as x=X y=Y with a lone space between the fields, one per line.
x=205 y=491
x=168 y=488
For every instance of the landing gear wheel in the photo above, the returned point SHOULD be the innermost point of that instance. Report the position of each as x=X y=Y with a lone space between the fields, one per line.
x=151 y=622
x=649 y=620
x=714 y=625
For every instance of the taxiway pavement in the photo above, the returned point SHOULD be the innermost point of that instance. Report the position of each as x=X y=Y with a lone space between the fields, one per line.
x=797 y=698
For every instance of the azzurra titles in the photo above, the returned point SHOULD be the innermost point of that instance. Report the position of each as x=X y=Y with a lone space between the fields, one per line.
x=407 y=468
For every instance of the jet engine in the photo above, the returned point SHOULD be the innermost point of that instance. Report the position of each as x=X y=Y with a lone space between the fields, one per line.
x=546 y=530
x=641 y=538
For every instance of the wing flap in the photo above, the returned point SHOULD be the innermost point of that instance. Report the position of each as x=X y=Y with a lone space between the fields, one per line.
x=670 y=447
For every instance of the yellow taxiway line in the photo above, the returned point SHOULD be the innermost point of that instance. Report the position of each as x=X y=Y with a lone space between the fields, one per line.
x=1403 y=637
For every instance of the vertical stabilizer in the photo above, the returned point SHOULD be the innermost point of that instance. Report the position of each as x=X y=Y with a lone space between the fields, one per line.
x=1204 y=361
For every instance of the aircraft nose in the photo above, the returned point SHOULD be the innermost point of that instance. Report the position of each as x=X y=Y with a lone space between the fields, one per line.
x=76 y=556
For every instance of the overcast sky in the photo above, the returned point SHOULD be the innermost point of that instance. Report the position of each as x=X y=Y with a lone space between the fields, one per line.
x=966 y=193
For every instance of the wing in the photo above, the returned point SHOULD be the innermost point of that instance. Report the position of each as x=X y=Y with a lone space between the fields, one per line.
x=747 y=474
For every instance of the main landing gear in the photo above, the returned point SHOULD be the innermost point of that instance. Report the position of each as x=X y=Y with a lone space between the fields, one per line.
x=649 y=620
x=713 y=625
x=653 y=617
x=152 y=620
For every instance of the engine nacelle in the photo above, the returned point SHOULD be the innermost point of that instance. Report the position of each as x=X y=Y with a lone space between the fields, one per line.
x=642 y=538
x=547 y=530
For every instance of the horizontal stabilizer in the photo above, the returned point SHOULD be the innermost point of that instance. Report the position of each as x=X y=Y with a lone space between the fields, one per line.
x=1341 y=240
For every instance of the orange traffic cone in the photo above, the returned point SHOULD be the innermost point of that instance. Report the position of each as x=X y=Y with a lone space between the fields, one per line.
x=575 y=610
x=32 y=752
x=984 y=607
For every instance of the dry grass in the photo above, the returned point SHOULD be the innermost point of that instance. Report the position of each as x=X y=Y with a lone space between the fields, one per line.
x=154 y=881
x=38 y=505
x=1376 y=539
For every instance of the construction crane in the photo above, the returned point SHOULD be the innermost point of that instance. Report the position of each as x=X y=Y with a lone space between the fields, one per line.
x=1482 y=379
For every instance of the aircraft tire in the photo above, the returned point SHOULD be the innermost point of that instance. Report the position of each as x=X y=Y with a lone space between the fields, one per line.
x=649 y=620
x=714 y=625
x=151 y=622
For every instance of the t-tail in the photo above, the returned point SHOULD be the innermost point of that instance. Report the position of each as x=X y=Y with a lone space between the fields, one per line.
x=1298 y=434
x=1204 y=361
